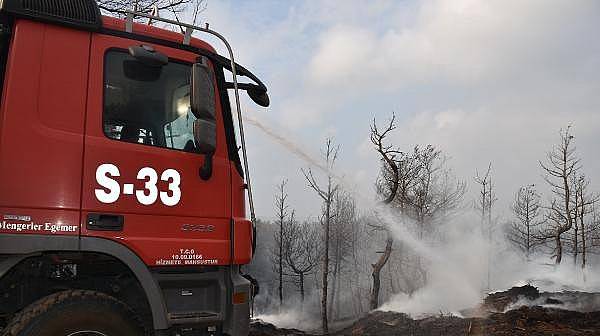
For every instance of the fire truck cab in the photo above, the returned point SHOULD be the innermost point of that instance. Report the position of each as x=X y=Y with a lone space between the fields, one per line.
x=122 y=192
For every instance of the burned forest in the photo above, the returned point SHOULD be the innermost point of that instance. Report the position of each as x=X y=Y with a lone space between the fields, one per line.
x=346 y=269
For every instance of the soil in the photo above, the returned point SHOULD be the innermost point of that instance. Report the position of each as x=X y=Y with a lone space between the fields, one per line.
x=499 y=315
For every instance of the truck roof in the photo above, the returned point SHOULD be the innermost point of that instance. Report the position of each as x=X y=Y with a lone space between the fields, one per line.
x=86 y=15
x=117 y=24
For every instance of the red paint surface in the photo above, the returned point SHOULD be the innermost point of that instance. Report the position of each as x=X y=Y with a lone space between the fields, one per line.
x=41 y=142
x=52 y=141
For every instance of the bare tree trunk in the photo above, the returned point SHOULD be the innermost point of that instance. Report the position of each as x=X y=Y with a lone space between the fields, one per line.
x=333 y=289
x=583 y=237
x=353 y=281
x=280 y=266
x=528 y=226
x=355 y=289
x=302 y=288
x=486 y=202
x=327 y=196
x=334 y=306
x=575 y=241
x=325 y=282
x=567 y=199
x=391 y=275
x=562 y=167
x=338 y=300
x=324 y=279
x=558 y=249
x=388 y=155
x=358 y=296
x=576 y=224
x=282 y=213
x=374 y=302
x=583 y=248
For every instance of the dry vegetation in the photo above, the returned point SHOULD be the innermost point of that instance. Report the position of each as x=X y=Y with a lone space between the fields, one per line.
x=492 y=320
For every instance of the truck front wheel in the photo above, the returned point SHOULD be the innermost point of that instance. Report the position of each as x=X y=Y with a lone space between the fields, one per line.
x=75 y=313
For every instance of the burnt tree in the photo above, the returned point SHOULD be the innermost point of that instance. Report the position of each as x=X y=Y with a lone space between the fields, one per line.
x=419 y=186
x=560 y=166
x=342 y=234
x=388 y=190
x=302 y=251
x=583 y=207
x=523 y=232
x=282 y=212
x=485 y=204
x=326 y=193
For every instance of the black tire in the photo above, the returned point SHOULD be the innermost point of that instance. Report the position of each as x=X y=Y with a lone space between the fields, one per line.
x=75 y=313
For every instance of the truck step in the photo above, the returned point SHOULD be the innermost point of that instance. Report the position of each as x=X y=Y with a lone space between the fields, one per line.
x=194 y=317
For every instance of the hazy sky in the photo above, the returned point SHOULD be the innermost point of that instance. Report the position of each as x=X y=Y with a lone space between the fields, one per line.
x=486 y=81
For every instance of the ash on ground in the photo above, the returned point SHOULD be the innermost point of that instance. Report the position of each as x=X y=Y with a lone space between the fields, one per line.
x=520 y=311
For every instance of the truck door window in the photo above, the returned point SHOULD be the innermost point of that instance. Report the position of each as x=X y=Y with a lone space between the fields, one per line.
x=147 y=105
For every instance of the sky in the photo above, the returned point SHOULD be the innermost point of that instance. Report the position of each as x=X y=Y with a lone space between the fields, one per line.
x=485 y=81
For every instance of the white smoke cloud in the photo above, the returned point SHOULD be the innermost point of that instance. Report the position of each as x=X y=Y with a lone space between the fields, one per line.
x=458 y=269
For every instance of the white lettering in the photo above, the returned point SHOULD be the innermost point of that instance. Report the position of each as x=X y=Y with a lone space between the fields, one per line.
x=48 y=227
x=149 y=175
x=172 y=176
x=103 y=177
x=111 y=190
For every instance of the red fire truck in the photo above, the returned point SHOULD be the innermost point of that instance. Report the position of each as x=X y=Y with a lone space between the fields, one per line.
x=122 y=191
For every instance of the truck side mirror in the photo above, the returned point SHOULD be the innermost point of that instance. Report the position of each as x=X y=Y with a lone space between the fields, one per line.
x=202 y=103
x=202 y=92
x=259 y=96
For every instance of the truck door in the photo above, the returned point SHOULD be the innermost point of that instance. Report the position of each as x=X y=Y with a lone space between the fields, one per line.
x=141 y=182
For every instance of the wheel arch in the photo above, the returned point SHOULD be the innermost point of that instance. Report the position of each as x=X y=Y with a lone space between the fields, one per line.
x=18 y=247
x=138 y=268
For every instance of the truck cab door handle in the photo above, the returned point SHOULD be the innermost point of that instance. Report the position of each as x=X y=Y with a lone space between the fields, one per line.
x=105 y=222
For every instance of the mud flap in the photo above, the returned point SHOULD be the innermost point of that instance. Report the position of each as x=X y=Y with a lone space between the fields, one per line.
x=238 y=317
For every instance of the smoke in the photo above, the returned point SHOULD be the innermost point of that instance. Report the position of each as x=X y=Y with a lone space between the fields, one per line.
x=457 y=268
x=310 y=159
x=291 y=318
x=290 y=146
x=575 y=301
x=462 y=265
x=294 y=313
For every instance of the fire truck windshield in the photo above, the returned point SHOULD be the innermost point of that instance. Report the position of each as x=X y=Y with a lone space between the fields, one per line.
x=148 y=105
